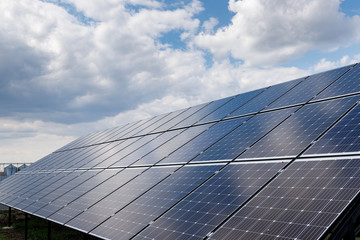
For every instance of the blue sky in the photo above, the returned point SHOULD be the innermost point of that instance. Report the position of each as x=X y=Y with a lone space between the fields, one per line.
x=70 y=67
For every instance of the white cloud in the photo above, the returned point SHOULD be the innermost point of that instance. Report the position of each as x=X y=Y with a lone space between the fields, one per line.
x=267 y=32
x=325 y=64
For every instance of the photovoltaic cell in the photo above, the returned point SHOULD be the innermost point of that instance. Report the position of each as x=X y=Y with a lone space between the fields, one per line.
x=76 y=192
x=137 y=215
x=349 y=83
x=204 y=209
x=341 y=138
x=145 y=149
x=298 y=131
x=264 y=99
x=114 y=154
x=157 y=124
x=184 y=115
x=238 y=140
x=196 y=117
x=91 y=197
x=171 y=145
x=301 y=203
x=197 y=145
x=104 y=207
x=230 y=106
x=56 y=191
x=308 y=88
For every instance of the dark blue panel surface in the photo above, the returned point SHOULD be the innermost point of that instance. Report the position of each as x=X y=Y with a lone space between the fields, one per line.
x=203 y=141
x=237 y=141
x=131 y=219
x=76 y=192
x=184 y=115
x=308 y=88
x=292 y=136
x=91 y=197
x=93 y=215
x=171 y=145
x=349 y=83
x=341 y=138
x=54 y=191
x=204 y=209
x=230 y=106
x=264 y=99
x=301 y=203
x=208 y=109
x=160 y=122
x=146 y=149
x=115 y=154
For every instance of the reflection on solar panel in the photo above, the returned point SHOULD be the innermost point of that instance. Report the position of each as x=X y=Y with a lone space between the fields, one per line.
x=282 y=162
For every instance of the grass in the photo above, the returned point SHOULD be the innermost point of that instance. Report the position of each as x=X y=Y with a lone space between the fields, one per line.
x=37 y=229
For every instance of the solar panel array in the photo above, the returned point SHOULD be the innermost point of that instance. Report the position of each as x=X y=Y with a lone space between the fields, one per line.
x=282 y=162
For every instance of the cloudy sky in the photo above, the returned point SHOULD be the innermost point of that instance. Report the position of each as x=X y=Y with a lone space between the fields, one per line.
x=70 y=67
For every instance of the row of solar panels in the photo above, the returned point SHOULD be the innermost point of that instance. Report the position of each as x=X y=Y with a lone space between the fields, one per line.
x=192 y=201
x=206 y=180
x=329 y=84
x=280 y=133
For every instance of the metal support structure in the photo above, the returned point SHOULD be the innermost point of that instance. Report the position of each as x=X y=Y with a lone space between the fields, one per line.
x=26 y=226
x=9 y=217
x=49 y=230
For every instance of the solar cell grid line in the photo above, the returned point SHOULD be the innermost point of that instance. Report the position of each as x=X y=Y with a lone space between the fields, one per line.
x=196 y=117
x=235 y=103
x=109 y=205
x=170 y=146
x=139 y=213
x=77 y=192
x=184 y=115
x=77 y=156
x=18 y=187
x=81 y=203
x=238 y=140
x=72 y=143
x=140 y=152
x=114 y=155
x=295 y=134
x=55 y=192
x=35 y=196
x=62 y=157
x=300 y=203
x=156 y=124
x=9 y=184
x=308 y=88
x=347 y=84
x=19 y=196
x=205 y=208
x=117 y=135
x=203 y=141
x=140 y=124
x=269 y=95
x=343 y=137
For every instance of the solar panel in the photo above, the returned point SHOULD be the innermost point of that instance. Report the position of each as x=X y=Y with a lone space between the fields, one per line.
x=301 y=203
x=296 y=133
x=138 y=214
x=347 y=84
x=205 y=208
x=344 y=137
x=230 y=106
x=196 y=117
x=94 y=214
x=171 y=145
x=248 y=133
x=267 y=97
x=203 y=141
x=91 y=197
x=281 y=162
x=308 y=88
